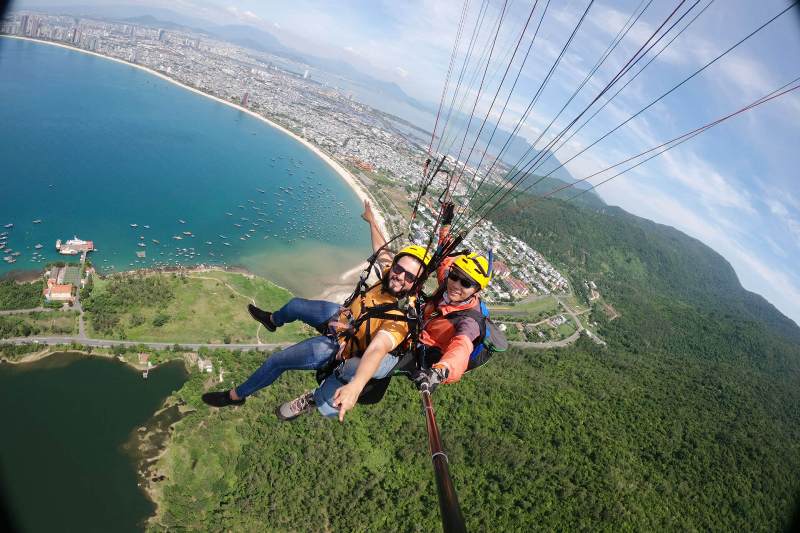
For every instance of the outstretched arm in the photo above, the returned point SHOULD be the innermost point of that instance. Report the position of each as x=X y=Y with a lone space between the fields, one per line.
x=378 y=238
x=347 y=396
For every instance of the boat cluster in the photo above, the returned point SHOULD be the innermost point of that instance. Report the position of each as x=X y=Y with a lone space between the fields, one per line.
x=10 y=255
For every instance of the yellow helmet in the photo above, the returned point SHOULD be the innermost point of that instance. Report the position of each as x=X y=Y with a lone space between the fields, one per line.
x=416 y=251
x=476 y=268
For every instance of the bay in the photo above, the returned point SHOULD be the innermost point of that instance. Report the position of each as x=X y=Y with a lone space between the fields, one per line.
x=90 y=146
x=66 y=420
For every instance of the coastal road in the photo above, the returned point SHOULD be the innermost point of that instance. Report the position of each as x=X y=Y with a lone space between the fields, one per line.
x=106 y=343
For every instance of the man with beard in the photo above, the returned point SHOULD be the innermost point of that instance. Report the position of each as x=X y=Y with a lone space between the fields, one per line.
x=352 y=332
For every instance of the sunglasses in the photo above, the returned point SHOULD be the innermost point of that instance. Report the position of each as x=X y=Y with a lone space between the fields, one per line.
x=466 y=283
x=408 y=276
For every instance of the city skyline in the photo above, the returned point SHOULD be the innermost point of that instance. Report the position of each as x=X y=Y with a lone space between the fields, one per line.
x=731 y=189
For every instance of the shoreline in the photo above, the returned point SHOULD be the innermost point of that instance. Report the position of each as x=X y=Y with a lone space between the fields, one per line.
x=50 y=350
x=343 y=173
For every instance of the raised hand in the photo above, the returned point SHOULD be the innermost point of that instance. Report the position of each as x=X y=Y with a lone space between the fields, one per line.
x=368 y=215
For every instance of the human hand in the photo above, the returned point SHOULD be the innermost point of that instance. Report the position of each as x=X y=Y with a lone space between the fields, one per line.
x=447 y=212
x=346 y=398
x=429 y=378
x=368 y=215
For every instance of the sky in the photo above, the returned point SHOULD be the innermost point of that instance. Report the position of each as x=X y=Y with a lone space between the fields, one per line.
x=735 y=188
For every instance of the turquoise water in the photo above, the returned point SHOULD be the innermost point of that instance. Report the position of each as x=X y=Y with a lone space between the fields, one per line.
x=91 y=146
x=66 y=423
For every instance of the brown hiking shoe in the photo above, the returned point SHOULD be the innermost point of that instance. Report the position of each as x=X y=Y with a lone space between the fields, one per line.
x=298 y=406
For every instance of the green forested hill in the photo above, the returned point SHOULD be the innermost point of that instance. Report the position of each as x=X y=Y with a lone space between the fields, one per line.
x=672 y=291
x=687 y=420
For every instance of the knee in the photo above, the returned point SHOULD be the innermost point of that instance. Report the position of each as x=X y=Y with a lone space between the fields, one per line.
x=294 y=304
x=327 y=410
x=323 y=396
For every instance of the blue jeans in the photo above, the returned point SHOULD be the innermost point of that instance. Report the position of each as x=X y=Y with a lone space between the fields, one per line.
x=312 y=312
x=309 y=354
x=323 y=395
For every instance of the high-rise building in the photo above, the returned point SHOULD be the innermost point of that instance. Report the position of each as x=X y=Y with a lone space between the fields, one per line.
x=305 y=75
x=245 y=99
x=35 y=23
x=23 y=25
x=161 y=35
x=77 y=37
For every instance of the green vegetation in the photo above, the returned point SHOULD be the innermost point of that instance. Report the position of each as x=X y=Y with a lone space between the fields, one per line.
x=687 y=420
x=13 y=352
x=563 y=440
x=208 y=307
x=39 y=323
x=533 y=310
x=15 y=295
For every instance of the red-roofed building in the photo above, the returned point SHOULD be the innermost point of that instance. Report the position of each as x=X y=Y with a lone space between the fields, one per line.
x=58 y=293
x=500 y=269
x=517 y=287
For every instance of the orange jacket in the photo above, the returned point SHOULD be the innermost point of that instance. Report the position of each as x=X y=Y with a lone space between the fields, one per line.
x=453 y=336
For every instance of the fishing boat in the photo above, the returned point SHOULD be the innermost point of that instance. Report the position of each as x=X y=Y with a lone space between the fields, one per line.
x=209 y=242
x=134 y=225
x=37 y=221
x=226 y=243
x=146 y=226
x=141 y=244
x=262 y=191
x=229 y=214
x=8 y=226
x=181 y=221
x=187 y=232
x=38 y=246
x=155 y=241
x=177 y=237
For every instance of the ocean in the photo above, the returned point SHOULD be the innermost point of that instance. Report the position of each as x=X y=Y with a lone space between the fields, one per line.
x=91 y=147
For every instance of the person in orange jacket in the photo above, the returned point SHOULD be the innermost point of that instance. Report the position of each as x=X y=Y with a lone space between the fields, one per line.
x=452 y=319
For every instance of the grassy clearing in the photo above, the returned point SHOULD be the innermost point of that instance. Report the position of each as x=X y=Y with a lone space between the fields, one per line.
x=208 y=307
x=530 y=311
x=566 y=329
